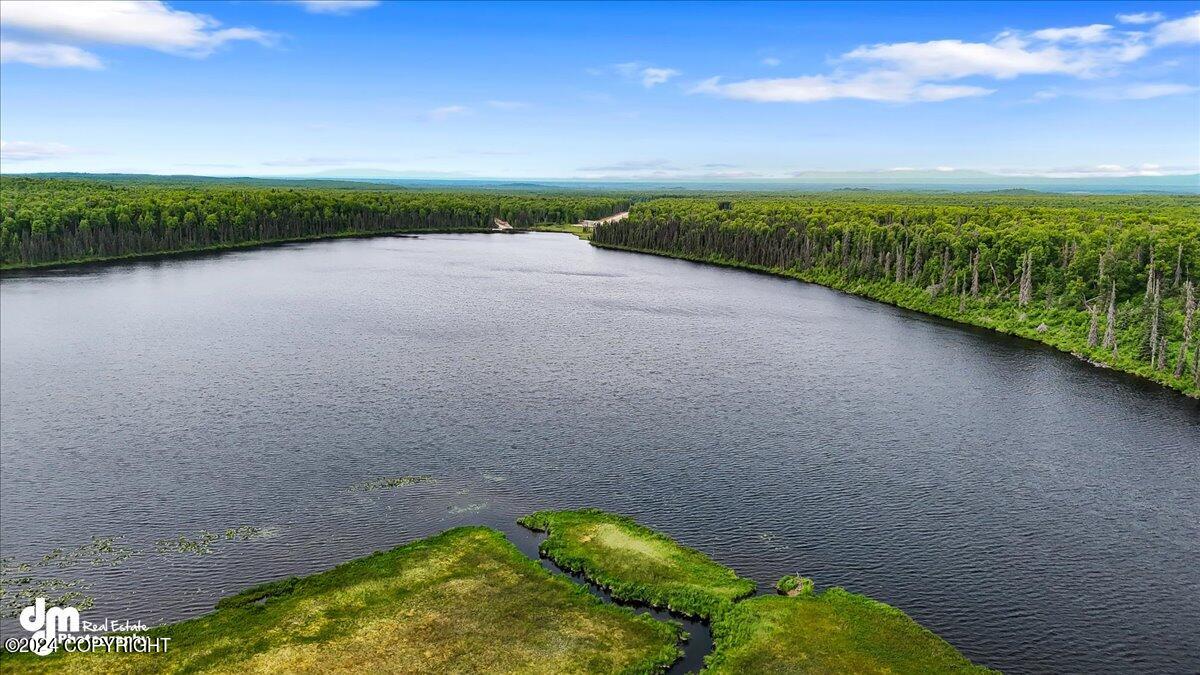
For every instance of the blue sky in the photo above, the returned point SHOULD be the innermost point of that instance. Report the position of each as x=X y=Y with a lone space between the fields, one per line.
x=623 y=90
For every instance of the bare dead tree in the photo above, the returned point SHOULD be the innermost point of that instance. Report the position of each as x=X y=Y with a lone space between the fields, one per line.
x=1189 y=315
x=1178 y=266
x=1149 y=277
x=1026 y=287
x=1110 y=324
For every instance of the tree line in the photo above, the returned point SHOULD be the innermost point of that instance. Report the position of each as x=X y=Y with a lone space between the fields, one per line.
x=54 y=220
x=1112 y=279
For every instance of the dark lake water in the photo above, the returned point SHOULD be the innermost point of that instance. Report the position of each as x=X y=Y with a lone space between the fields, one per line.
x=1040 y=514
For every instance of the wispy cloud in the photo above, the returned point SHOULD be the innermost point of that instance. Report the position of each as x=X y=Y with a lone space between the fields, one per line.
x=1179 y=31
x=1136 y=91
x=48 y=55
x=649 y=76
x=771 y=61
x=446 y=112
x=24 y=151
x=147 y=23
x=335 y=6
x=1141 y=18
x=871 y=86
x=930 y=71
x=1097 y=32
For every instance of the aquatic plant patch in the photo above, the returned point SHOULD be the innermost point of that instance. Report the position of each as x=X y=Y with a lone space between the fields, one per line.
x=201 y=543
x=22 y=582
x=387 y=483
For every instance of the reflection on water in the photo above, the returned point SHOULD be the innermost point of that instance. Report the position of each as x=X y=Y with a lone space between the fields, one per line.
x=1040 y=514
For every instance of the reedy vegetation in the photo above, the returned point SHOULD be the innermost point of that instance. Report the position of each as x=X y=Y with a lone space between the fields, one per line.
x=47 y=221
x=1112 y=279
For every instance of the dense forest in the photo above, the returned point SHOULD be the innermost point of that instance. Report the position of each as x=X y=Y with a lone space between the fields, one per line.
x=1111 y=279
x=45 y=221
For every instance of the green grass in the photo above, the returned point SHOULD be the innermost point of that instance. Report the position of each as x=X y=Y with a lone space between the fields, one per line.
x=637 y=563
x=465 y=600
x=830 y=632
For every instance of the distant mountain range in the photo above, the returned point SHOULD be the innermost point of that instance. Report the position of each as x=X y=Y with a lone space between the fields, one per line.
x=817 y=181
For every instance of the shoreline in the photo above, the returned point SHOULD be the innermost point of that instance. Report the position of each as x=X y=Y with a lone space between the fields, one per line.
x=219 y=248
x=860 y=291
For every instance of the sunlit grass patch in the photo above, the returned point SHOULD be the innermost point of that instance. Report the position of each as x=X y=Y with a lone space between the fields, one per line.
x=465 y=600
x=637 y=563
x=830 y=632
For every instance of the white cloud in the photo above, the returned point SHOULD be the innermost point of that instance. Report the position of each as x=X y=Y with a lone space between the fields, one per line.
x=1141 y=18
x=23 y=151
x=1010 y=55
x=1179 y=31
x=653 y=76
x=507 y=105
x=144 y=23
x=447 y=111
x=1138 y=92
x=335 y=6
x=648 y=75
x=929 y=71
x=771 y=61
x=47 y=55
x=1135 y=91
x=872 y=86
x=1096 y=32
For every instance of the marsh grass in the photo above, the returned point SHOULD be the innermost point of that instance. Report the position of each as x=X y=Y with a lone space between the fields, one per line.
x=465 y=600
x=830 y=632
x=636 y=563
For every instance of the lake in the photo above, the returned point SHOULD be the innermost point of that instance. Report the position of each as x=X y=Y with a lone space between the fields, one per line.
x=1037 y=512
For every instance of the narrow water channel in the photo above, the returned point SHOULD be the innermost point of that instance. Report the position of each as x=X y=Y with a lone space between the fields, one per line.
x=698 y=643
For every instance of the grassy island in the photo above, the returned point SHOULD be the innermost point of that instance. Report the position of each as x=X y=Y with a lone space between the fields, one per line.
x=830 y=632
x=636 y=563
x=465 y=600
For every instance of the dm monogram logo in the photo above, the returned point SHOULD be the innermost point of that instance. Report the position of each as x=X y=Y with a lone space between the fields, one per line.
x=47 y=625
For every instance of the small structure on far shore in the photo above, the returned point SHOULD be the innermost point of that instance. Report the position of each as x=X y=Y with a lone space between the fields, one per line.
x=501 y=224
